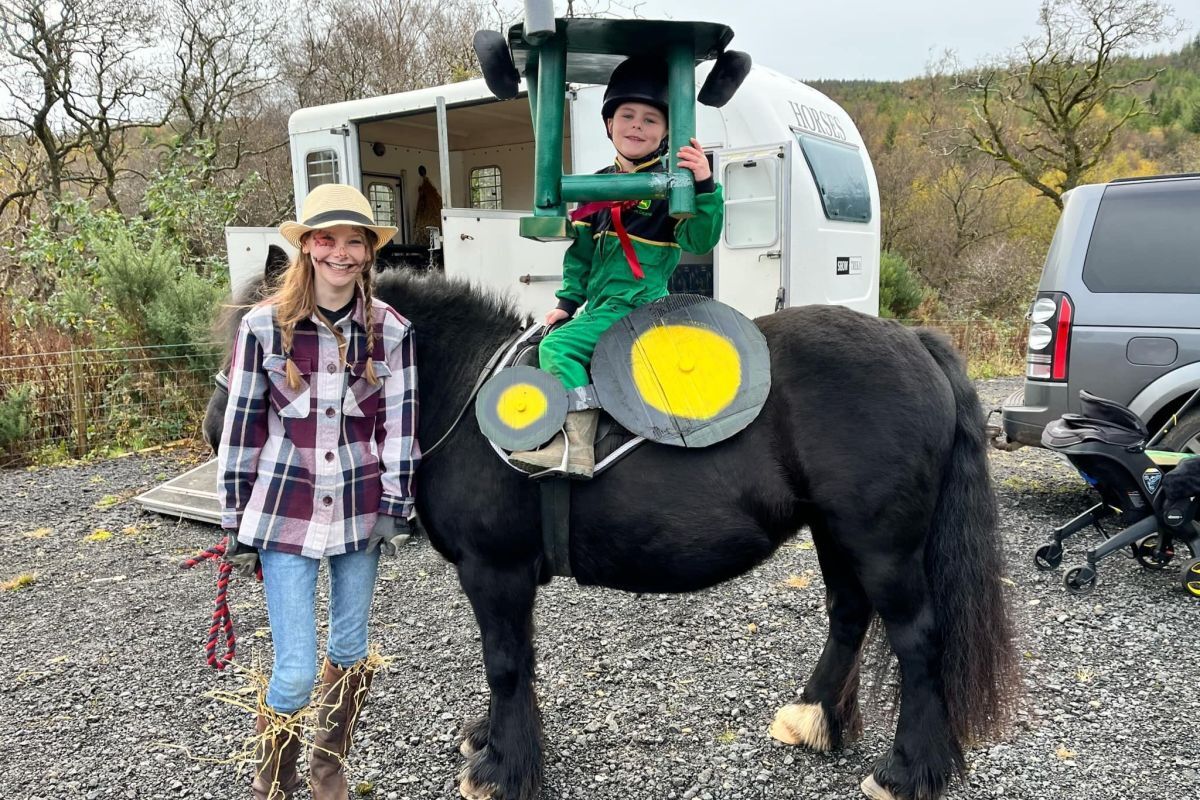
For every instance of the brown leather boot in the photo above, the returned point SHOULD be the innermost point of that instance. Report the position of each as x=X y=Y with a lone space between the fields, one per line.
x=579 y=444
x=275 y=755
x=343 y=693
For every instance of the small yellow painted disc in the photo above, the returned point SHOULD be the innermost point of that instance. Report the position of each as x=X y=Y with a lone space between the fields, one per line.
x=685 y=371
x=521 y=405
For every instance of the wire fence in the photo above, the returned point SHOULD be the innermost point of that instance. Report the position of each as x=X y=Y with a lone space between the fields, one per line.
x=992 y=348
x=71 y=402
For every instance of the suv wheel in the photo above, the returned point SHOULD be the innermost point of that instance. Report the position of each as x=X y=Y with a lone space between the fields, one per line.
x=1185 y=436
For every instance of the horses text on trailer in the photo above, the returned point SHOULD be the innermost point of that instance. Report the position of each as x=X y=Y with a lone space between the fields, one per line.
x=801 y=201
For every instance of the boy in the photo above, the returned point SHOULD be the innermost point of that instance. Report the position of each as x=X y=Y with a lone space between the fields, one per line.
x=623 y=254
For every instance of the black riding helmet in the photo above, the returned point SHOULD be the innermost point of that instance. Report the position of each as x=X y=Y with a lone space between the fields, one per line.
x=637 y=79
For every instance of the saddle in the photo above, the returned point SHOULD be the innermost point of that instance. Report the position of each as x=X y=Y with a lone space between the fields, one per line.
x=684 y=370
x=613 y=440
x=1099 y=420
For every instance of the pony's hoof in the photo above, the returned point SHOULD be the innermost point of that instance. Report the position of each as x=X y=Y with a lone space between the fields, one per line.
x=466 y=748
x=803 y=724
x=469 y=790
x=871 y=788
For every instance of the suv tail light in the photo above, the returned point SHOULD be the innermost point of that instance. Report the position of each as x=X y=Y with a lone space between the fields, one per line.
x=1050 y=321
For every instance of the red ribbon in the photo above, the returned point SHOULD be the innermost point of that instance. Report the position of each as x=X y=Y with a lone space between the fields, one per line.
x=615 y=209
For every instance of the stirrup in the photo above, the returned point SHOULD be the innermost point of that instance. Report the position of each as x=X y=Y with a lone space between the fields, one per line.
x=559 y=471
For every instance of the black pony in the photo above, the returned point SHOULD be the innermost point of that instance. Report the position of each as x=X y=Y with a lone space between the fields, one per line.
x=872 y=436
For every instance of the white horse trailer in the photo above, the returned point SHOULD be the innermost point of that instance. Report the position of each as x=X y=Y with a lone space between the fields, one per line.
x=801 y=201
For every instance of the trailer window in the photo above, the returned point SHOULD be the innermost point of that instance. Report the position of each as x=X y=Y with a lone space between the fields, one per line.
x=1145 y=239
x=840 y=176
x=383 y=202
x=752 y=202
x=485 y=187
x=321 y=167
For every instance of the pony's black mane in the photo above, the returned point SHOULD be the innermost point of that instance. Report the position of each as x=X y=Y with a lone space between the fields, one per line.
x=427 y=294
x=457 y=327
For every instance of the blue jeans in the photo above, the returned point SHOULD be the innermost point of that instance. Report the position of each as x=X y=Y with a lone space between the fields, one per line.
x=290 y=582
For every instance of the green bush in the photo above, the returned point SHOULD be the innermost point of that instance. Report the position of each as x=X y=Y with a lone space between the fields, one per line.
x=15 y=408
x=900 y=290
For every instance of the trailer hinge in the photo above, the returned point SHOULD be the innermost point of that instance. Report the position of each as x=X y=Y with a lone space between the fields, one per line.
x=344 y=130
x=780 y=298
x=770 y=254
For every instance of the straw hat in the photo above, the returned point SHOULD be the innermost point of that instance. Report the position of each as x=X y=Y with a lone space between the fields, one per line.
x=332 y=204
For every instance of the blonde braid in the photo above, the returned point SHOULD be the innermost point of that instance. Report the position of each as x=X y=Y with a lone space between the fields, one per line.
x=367 y=284
x=285 y=336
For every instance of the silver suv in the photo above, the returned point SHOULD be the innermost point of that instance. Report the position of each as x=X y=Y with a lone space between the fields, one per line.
x=1117 y=311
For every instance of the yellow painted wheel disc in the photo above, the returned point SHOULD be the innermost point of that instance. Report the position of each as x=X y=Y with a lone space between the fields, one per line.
x=685 y=371
x=520 y=408
x=521 y=405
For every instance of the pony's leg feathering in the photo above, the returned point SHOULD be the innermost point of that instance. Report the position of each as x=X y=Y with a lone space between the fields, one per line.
x=506 y=761
x=827 y=716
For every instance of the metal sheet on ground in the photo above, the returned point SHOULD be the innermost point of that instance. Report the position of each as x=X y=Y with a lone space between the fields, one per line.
x=192 y=495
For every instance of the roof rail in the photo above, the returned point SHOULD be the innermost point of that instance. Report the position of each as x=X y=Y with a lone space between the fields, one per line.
x=1156 y=177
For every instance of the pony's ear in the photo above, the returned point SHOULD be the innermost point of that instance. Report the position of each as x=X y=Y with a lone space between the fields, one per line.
x=276 y=264
x=727 y=75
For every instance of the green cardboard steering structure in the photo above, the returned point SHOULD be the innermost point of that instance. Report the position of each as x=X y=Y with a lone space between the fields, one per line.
x=552 y=52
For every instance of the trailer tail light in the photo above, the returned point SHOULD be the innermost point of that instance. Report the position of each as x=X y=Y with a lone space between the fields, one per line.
x=1049 y=344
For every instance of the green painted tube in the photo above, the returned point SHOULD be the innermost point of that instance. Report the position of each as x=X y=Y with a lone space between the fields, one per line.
x=531 y=85
x=548 y=154
x=681 y=72
x=624 y=186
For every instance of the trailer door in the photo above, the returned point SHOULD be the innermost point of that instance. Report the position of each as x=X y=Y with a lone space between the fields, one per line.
x=750 y=256
x=325 y=156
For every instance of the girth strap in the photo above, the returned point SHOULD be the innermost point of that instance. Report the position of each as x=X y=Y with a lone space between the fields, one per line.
x=556 y=525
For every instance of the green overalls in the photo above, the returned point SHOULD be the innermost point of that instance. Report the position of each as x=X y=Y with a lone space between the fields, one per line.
x=597 y=270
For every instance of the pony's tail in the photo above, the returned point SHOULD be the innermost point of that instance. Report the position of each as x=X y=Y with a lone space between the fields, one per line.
x=980 y=674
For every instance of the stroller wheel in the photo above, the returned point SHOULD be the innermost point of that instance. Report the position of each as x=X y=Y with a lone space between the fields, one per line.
x=1048 y=557
x=1190 y=577
x=1146 y=553
x=1081 y=580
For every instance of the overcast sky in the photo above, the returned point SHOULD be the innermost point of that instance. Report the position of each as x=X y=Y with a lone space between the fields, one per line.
x=878 y=39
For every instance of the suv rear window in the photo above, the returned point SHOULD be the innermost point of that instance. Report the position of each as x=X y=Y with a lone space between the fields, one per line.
x=1146 y=239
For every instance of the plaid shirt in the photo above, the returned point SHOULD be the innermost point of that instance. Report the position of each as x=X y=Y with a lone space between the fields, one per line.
x=308 y=470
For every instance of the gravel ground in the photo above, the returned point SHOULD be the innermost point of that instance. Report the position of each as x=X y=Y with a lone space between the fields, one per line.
x=644 y=698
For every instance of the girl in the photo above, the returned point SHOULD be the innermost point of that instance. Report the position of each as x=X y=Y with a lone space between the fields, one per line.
x=316 y=458
x=622 y=256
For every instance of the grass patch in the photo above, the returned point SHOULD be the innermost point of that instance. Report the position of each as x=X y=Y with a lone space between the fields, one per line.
x=728 y=737
x=98 y=535
x=1021 y=483
x=22 y=581
x=108 y=501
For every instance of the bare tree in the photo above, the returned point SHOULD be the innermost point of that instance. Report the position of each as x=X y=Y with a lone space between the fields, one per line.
x=73 y=82
x=38 y=49
x=224 y=73
x=382 y=46
x=1042 y=115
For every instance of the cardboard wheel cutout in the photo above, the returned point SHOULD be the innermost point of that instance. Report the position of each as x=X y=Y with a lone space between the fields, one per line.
x=521 y=408
x=683 y=370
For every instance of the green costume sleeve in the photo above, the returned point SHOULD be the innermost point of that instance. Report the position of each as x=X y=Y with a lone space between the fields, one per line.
x=700 y=233
x=577 y=265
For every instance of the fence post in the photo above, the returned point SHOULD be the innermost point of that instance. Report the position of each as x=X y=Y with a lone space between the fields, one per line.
x=78 y=410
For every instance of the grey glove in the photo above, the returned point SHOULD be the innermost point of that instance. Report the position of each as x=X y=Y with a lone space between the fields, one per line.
x=388 y=534
x=243 y=557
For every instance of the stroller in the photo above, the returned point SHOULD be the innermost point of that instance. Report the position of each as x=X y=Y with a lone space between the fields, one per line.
x=1110 y=446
